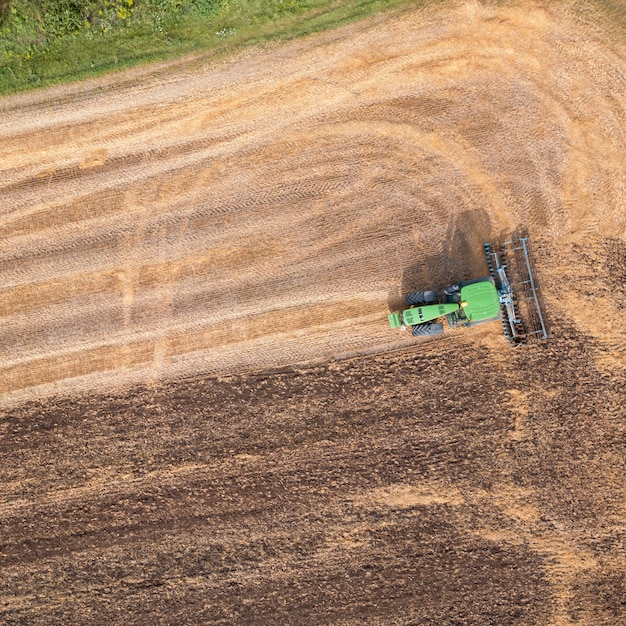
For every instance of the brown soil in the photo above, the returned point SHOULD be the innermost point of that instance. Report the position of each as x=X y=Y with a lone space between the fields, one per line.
x=167 y=234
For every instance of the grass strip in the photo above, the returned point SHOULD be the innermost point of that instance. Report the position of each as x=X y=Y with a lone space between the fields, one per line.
x=43 y=43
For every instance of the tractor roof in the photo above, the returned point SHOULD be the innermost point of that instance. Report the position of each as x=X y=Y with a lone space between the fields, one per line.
x=482 y=300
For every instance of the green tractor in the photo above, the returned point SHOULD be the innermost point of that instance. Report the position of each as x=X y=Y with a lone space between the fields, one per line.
x=482 y=300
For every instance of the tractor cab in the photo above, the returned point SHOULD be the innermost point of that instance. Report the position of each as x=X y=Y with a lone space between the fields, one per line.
x=478 y=302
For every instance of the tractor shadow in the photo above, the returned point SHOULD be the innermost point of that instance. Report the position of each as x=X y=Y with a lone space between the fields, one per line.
x=457 y=256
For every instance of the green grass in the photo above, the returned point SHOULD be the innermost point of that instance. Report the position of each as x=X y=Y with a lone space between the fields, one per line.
x=43 y=42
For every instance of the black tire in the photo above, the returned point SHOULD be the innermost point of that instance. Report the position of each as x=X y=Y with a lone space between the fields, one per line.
x=426 y=329
x=419 y=298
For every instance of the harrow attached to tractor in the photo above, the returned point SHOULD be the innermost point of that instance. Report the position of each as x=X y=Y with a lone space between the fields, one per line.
x=521 y=312
x=514 y=301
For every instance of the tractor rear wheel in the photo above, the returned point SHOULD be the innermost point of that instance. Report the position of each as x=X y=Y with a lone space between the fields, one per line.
x=428 y=328
x=419 y=298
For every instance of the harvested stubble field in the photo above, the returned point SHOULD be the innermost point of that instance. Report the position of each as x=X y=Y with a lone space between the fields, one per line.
x=205 y=418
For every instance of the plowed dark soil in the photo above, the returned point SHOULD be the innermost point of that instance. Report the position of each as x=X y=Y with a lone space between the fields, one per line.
x=205 y=417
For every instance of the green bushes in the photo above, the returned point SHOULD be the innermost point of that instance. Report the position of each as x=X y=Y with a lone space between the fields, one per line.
x=165 y=7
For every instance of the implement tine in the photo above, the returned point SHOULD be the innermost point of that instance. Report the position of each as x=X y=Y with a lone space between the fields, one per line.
x=522 y=317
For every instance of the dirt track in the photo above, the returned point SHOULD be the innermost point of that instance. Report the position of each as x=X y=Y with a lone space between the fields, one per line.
x=266 y=212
